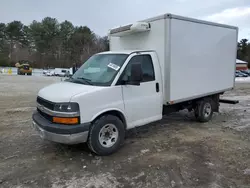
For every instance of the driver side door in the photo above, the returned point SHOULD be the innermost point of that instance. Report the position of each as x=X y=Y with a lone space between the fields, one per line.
x=142 y=102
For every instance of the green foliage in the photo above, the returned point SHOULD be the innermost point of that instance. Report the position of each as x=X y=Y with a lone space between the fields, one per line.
x=48 y=43
x=4 y=61
x=15 y=32
x=243 y=52
x=2 y=36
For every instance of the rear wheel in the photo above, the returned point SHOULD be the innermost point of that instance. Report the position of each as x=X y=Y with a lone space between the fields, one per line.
x=106 y=135
x=204 y=110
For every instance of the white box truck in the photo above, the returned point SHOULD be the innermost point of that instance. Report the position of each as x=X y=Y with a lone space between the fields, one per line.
x=155 y=66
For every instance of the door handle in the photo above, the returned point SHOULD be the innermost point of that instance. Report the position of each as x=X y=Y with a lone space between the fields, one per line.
x=157 y=87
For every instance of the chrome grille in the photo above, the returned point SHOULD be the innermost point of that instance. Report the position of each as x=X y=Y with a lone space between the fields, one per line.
x=45 y=103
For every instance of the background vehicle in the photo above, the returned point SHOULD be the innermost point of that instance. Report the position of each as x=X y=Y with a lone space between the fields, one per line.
x=24 y=69
x=245 y=72
x=45 y=71
x=139 y=81
x=61 y=72
x=240 y=74
x=50 y=73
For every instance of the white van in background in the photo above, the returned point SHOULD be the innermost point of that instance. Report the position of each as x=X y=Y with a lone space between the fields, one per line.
x=62 y=72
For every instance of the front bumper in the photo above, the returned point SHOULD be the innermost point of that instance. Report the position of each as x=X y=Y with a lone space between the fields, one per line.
x=65 y=134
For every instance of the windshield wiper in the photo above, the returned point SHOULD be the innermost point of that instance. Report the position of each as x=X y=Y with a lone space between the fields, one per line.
x=88 y=81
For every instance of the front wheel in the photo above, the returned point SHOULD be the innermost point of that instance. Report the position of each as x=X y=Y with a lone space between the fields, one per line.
x=106 y=135
x=204 y=110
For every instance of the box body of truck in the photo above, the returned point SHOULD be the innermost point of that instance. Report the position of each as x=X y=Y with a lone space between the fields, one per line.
x=197 y=58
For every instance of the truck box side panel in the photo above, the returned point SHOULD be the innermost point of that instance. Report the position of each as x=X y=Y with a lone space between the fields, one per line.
x=202 y=59
x=151 y=40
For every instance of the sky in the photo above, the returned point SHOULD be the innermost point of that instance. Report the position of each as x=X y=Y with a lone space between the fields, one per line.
x=100 y=16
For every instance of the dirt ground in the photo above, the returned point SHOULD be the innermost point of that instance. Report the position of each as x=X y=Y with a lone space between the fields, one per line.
x=175 y=152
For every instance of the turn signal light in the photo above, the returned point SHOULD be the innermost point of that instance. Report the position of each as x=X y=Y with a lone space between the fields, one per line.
x=62 y=120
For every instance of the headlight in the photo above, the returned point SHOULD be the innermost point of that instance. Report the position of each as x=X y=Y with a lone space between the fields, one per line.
x=66 y=107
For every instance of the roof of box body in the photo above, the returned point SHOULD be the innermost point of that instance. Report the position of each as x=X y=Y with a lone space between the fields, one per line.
x=172 y=16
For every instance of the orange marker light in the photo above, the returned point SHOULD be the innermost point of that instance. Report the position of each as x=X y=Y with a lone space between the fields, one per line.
x=69 y=121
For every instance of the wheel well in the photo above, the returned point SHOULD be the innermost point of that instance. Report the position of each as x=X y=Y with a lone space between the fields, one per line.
x=114 y=113
x=215 y=101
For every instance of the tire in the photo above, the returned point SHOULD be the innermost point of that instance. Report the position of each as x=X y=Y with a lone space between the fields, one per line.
x=204 y=110
x=100 y=130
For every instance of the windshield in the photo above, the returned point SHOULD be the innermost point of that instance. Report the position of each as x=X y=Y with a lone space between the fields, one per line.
x=100 y=69
x=25 y=67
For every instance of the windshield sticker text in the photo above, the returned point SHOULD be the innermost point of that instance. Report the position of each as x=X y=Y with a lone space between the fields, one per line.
x=113 y=66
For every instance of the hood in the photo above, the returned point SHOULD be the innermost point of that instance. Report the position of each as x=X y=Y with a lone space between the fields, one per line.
x=64 y=91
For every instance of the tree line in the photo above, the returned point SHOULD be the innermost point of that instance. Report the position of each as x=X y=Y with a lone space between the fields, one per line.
x=48 y=43
x=52 y=44
x=243 y=52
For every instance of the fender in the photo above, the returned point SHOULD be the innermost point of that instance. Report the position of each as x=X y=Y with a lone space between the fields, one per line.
x=124 y=119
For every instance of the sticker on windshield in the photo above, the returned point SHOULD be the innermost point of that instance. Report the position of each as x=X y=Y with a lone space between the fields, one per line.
x=113 y=66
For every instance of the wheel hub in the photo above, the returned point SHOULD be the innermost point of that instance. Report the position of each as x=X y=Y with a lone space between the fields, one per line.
x=207 y=110
x=108 y=135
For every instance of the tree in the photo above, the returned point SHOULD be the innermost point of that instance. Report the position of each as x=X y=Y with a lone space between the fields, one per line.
x=242 y=48
x=243 y=52
x=106 y=43
x=4 y=51
x=2 y=35
x=48 y=43
x=44 y=37
x=37 y=36
x=66 y=31
x=14 y=34
x=14 y=31
x=80 y=44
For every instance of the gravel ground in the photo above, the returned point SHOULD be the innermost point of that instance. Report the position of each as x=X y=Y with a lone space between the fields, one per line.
x=175 y=152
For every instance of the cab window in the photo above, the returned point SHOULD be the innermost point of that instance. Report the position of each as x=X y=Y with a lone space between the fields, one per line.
x=147 y=68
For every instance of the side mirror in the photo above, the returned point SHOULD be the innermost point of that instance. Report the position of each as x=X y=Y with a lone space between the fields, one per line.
x=136 y=74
